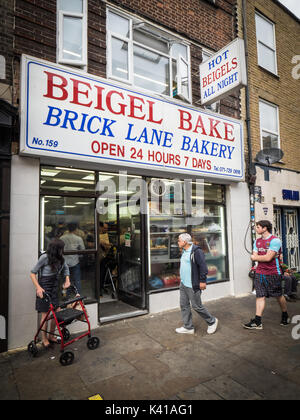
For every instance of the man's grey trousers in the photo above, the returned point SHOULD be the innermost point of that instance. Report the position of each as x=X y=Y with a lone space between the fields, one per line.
x=187 y=298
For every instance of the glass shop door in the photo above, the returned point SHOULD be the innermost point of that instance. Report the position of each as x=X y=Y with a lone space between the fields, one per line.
x=122 y=248
x=131 y=284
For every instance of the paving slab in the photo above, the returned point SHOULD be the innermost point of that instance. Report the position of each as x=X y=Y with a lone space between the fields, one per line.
x=144 y=359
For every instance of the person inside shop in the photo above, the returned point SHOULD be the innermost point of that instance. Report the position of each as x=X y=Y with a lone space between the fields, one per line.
x=193 y=275
x=104 y=250
x=73 y=242
x=268 y=274
x=290 y=283
x=44 y=276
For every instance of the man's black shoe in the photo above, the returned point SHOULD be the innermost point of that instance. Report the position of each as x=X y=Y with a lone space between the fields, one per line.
x=285 y=320
x=252 y=325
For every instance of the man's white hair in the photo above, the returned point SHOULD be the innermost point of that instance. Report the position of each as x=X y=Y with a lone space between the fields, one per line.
x=186 y=237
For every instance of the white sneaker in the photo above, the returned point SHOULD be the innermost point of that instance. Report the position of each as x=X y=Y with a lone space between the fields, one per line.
x=213 y=328
x=183 y=330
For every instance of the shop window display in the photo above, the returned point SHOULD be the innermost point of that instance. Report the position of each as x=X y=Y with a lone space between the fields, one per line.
x=209 y=234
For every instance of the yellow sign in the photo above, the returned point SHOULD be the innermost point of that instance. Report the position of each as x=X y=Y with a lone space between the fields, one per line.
x=96 y=397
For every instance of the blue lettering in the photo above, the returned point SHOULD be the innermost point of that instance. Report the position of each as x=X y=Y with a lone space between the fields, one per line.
x=168 y=138
x=155 y=135
x=186 y=141
x=130 y=126
x=204 y=147
x=51 y=115
x=223 y=149
x=143 y=135
x=195 y=147
x=70 y=118
x=106 y=127
x=84 y=117
x=90 y=123
x=214 y=149
x=230 y=151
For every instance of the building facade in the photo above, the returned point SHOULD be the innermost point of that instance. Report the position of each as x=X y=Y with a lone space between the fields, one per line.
x=8 y=132
x=115 y=144
x=273 y=34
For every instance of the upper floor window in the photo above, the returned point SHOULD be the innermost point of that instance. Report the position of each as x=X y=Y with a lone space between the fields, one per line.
x=146 y=57
x=72 y=32
x=266 y=43
x=269 y=125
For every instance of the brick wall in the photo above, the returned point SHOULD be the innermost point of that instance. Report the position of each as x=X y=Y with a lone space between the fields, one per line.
x=284 y=90
x=212 y=26
x=6 y=47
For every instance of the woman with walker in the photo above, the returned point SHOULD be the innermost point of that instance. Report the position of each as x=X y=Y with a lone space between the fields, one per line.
x=44 y=276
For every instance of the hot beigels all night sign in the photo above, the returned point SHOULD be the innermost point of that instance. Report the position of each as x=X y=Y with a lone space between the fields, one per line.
x=69 y=114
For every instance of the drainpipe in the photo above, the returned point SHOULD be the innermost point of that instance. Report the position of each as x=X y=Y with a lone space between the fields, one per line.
x=251 y=169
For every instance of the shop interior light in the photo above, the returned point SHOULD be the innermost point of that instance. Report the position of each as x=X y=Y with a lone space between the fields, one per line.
x=69 y=207
x=90 y=177
x=84 y=203
x=72 y=181
x=70 y=189
x=117 y=175
x=49 y=172
x=73 y=170
x=103 y=178
x=52 y=196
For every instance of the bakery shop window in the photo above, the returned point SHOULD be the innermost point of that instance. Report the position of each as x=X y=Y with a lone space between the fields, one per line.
x=167 y=222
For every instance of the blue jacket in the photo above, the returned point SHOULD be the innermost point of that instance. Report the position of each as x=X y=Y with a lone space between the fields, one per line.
x=199 y=267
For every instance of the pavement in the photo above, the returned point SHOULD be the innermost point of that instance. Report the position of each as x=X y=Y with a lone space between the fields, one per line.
x=144 y=359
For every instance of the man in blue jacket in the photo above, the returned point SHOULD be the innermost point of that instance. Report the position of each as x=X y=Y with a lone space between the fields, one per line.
x=193 y=274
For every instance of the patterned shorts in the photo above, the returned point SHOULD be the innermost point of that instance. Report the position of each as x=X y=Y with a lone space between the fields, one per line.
x=268 y=285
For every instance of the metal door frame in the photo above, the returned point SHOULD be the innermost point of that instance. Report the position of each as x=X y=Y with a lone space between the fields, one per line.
x=284 y=234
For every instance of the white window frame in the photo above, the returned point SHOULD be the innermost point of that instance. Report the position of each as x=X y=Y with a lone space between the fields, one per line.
x=258 y=41
x=131 y=43
x=265 y=129
x=60 y=18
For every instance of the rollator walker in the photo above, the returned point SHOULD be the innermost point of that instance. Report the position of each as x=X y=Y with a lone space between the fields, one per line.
x=63 y=318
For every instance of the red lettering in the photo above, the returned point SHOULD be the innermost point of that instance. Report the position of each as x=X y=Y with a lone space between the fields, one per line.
x=77 y=92
x=134 y=106
x=51 y=85
x=201 y=125
x=234 y=63
x=228 y=130
x=151 y=118
x=109 y=105
x=204 y=82
x=213 y=128
x=186 y=119
x=96 y=146
x=99 y=98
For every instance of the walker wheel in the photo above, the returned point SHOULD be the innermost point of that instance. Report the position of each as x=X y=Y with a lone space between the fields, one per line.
x=32 y=349
x=66 y=334
x=93 y=343
x=66 y=358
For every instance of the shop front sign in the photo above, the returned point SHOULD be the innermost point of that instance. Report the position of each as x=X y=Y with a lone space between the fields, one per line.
x=74 y=115
x=223 y=73
x=290 y=195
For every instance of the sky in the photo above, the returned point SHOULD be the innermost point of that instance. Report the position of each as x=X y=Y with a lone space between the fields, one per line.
x=293 y=5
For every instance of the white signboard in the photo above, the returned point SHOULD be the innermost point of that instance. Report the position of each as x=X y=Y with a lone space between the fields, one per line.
x=223 y=72
x=70 y=114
